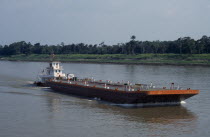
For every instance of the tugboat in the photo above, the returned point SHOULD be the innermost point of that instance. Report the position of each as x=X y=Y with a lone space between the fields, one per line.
x=115 y=92
x=53 y=71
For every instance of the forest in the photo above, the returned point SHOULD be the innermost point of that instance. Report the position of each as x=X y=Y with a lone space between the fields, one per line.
x=184 y=45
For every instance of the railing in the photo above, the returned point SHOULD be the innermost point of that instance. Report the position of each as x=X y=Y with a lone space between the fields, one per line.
x=117 y=86
x=108 y=85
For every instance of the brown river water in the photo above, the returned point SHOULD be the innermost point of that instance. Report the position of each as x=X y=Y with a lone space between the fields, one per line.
x=29 y=111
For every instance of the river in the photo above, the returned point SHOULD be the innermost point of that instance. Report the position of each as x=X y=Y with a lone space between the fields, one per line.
x=26 y=110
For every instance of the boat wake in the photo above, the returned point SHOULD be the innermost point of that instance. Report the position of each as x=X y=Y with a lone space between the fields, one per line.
x=183 y=102
x=29 y=82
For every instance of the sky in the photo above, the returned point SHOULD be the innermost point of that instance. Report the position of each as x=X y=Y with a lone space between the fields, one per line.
x=96 y=21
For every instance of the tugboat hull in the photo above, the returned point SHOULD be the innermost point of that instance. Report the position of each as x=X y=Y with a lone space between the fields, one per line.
x=39 y=84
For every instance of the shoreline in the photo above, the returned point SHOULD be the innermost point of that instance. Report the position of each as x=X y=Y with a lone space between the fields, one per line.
x=115 y=63
x=138 y=59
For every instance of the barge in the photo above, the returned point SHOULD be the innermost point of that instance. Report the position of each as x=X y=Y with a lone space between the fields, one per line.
x=115 y=92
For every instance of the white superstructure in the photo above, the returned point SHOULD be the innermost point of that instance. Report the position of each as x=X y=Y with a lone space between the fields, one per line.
x=53 y=71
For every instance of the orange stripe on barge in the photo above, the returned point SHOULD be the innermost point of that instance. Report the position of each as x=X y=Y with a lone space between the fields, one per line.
x=171 y=92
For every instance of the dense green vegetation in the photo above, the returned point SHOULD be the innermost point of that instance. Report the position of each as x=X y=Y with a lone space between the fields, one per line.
x=181 y=51
x=178 y=59
x=184 y=45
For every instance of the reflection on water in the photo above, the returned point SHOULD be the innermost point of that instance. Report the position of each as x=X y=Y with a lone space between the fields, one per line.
x=178 y=117
x=27 y=110
x=163 y=115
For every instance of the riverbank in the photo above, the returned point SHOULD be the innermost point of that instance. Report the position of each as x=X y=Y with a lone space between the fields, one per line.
x=159 y=59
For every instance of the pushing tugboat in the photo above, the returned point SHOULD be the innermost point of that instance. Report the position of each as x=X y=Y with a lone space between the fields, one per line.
x=115 y=92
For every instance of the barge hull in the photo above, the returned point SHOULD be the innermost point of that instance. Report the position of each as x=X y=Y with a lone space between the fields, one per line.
x=118 y=97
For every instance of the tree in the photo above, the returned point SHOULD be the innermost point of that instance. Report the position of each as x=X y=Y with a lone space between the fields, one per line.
x=203 y=44
x=132 y=45
x=133 y=37
x=185 y=45
x=1 y=49
x=156 y=45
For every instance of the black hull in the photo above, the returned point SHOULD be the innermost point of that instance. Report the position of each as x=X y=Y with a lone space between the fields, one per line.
x=117 y=96
x=40 y=84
